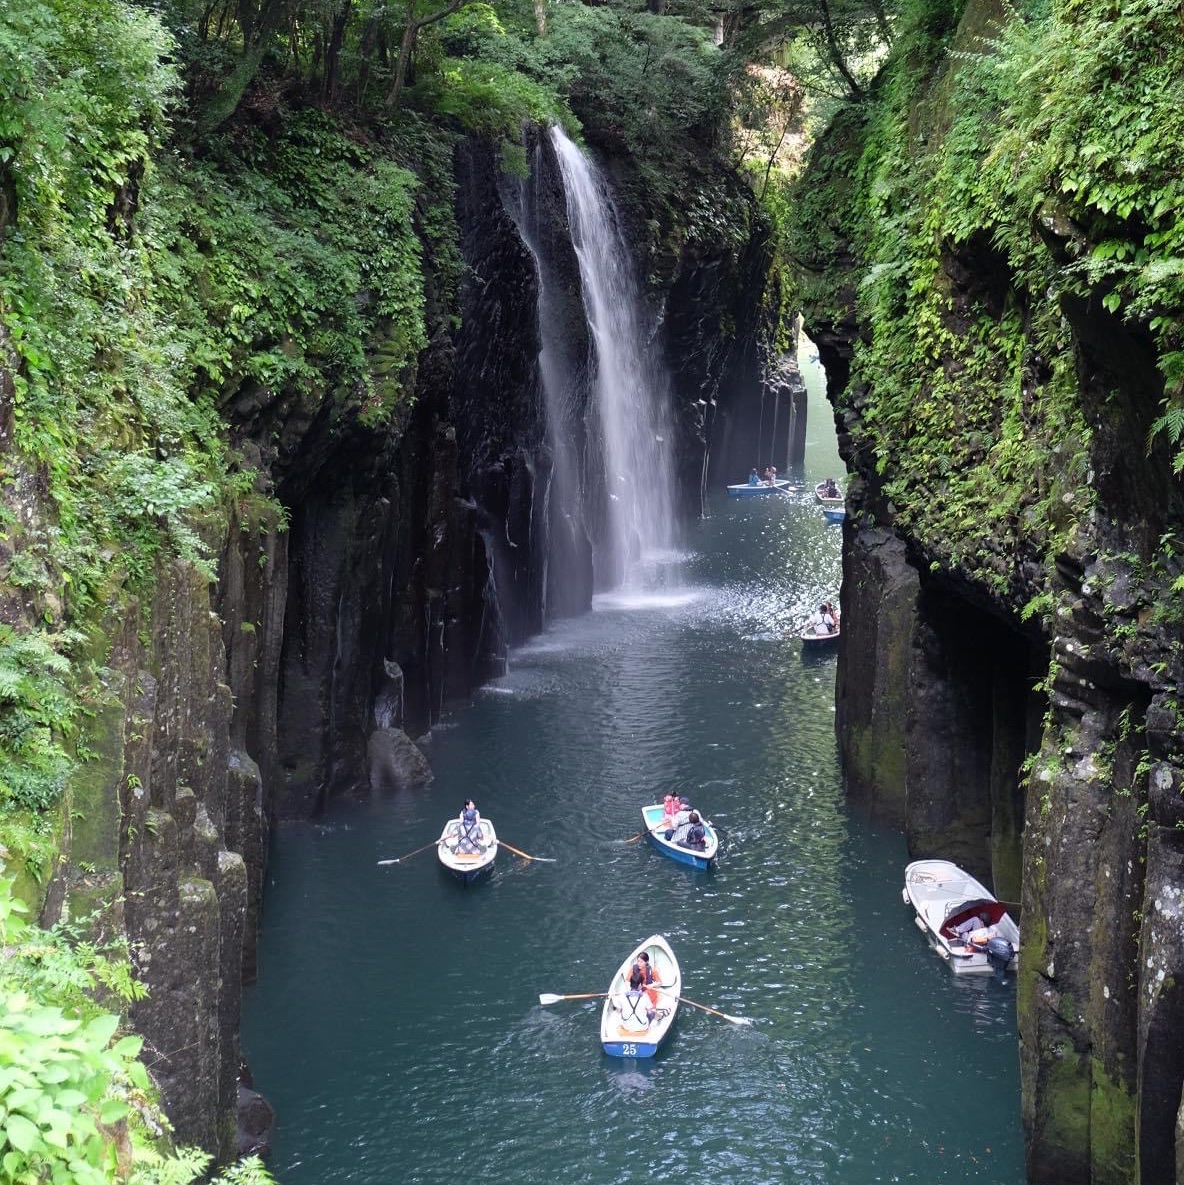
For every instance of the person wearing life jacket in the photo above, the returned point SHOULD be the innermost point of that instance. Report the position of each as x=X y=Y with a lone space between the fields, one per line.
x=468 y=831
x=678 y=825
x=696 y=836
x=671 y=805
x=642 y=979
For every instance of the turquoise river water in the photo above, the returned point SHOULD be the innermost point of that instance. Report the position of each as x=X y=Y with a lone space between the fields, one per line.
x=396 y=1026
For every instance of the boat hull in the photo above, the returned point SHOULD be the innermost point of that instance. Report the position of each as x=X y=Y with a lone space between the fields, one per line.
x=943 y=895
x=834 y=514
x=467 y=867
x=651 y=817
x=757 y=491
x=625 y=1027
x=817 y=641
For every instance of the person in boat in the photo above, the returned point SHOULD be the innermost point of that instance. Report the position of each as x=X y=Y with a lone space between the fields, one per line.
x=964 y=929
x=822 y=622
x=834 y=614
x=671 y=805
x=468 y=831
x=696 y=836
x=643 y=980
x=771 y=475
x=830 y=489
x=681 y=821
x=754 y=478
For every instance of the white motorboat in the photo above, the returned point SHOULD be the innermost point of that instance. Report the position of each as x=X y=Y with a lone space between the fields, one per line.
x=635 y=1021
x=962 y=920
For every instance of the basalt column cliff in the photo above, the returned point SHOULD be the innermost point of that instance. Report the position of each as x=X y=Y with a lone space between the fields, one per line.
x=1000 y=323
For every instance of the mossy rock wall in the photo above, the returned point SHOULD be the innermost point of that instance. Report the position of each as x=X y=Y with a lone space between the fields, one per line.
x=997 y=386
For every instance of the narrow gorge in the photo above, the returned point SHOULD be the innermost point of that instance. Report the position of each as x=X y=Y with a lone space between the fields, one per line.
x=343 y=353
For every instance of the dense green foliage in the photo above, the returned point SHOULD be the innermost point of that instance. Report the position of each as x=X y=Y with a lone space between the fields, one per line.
x=1034 y=166
x=76 y=1106
x=211 y=208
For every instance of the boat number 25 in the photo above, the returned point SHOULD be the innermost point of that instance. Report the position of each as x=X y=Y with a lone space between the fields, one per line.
x=629 y=1050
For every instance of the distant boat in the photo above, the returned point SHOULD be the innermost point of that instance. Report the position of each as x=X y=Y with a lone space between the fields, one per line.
x=945 y=897
x=467 y=858
x=744 y=490
x=651 y=817
x=834 y=514
x=631 y=1023
x=835 y=499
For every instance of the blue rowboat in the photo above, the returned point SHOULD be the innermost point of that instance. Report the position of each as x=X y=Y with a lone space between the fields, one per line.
x=634 y=1022
x=834 y=514
x=695 y=857
x=744 y=490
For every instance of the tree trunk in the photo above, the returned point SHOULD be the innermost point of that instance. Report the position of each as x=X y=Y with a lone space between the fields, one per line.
x=835 y=52
x=540 y=16
x=405 y=48
x=407 y=45
x=333 y=51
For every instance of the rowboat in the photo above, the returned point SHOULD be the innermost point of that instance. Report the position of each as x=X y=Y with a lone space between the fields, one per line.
x=467 y=859
x=826 y=499
x=812 y=640
x=633 y=1023
x=834 y=514
x=744 y=490
x=946 y=901
x=651 y=820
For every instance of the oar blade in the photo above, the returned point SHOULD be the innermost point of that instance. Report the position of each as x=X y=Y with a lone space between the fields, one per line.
x=737 y=1020
x=394 y=861
x=549 y=998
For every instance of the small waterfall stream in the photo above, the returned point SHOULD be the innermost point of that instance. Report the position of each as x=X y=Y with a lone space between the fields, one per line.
x=631 y=389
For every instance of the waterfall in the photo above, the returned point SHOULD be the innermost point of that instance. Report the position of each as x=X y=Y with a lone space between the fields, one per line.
x=568 y=554
x=631 y=403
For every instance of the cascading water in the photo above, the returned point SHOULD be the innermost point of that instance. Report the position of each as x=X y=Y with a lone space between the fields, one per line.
x=632 y=395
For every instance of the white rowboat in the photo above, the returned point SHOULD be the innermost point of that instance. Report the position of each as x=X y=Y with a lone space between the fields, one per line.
x=633 y=1023
x=467 y=857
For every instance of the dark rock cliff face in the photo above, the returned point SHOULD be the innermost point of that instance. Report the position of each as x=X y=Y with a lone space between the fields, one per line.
x=715 y=333
x=941 y=698
x=1041 y=752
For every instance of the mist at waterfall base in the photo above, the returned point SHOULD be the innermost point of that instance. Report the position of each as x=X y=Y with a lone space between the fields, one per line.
x=396 y=1026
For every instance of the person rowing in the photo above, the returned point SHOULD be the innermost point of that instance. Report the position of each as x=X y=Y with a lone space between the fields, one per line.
x=468 y=829
x=642 y=981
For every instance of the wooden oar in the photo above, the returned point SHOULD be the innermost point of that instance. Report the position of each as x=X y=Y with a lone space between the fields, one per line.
x=525 y=855
x=551 y=998
x=400 y=859
x=643 y=834
x=715 y=1012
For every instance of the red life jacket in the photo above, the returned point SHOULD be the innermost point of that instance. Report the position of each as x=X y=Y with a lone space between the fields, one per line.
x=640 y=974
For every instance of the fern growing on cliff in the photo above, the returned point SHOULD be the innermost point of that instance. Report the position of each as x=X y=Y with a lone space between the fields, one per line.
x=74 y=1098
